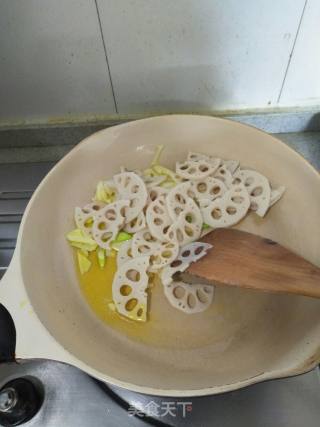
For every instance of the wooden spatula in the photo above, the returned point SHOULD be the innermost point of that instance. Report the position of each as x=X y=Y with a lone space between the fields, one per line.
x=246 y=260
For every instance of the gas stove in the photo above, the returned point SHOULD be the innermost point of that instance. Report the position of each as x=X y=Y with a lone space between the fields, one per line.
x=60 y=395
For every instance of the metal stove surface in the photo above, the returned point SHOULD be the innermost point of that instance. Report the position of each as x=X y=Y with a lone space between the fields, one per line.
x=73 y=399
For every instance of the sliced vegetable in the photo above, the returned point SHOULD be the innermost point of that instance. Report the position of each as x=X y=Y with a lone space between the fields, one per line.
x=157 y=155
x=83 y=262
x=104 y=193
x=84 y=246
x=78 y=239
x=112 y=306
x=161 y=170
x=101 y=255
x=123 y=236
x=149 y=172
x=168 y=184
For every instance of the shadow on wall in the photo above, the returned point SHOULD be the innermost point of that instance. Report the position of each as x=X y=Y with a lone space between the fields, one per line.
x=172 y=59
x=191 y=89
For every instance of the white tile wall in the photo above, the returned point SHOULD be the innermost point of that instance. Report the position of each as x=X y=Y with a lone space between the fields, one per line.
x=164 y=55
x=302 y=84
x=52 y=61
x=198 y=55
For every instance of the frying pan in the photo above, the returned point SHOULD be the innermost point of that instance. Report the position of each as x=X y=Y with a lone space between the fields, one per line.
x=244 y=338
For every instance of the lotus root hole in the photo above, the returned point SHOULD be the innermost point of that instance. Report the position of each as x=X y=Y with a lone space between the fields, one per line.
x=216 y=189
x=166 y=254
x=134 y=203
x=203 y=168
x=179 y=292
x=231 y=210
x=102 y=225
x=143 y=249
x=96 y=207
x=257 y=191
x=189 y=218
x=130 y=305
x=198 y=250
x=88 y=223
x=201 y=296
x=176 y=263
x=177 y=210
x=184 y=167
x=222 y=171
x=180 y=199
x=248 y=181
x=236 y=181
x=253 y=206
x=139 y=312
x=188 y=231
x=85 y=210
x=125 y=290
x=185 y=254
x=133 y=275
x=165 y=230
x=192 y=171
x=153 y=195
x=147 y=236
x=191 y=301
x=158 y=221
x=135 y=189
x=237 y=199
x=179 y=235
x=158 y=210
x=106 y=236
x=111 y=214
x=216 y=213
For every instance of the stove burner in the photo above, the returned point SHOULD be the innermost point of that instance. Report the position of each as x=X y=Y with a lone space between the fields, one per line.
x=20 y=400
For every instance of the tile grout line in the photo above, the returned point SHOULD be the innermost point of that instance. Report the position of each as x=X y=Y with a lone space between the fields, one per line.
x=292 y=50
x=106 y=56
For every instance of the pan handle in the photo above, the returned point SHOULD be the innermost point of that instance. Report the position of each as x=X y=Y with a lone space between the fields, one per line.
x=32 y=338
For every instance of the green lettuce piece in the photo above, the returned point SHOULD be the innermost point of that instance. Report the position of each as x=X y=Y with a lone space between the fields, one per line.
x=156 y=158
x=84 y=262
x=122 y=236
x=205 y=226
x=101 y=255
x=78 y=239
x=104 y=193
x=161 y=170
x=84 y=246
